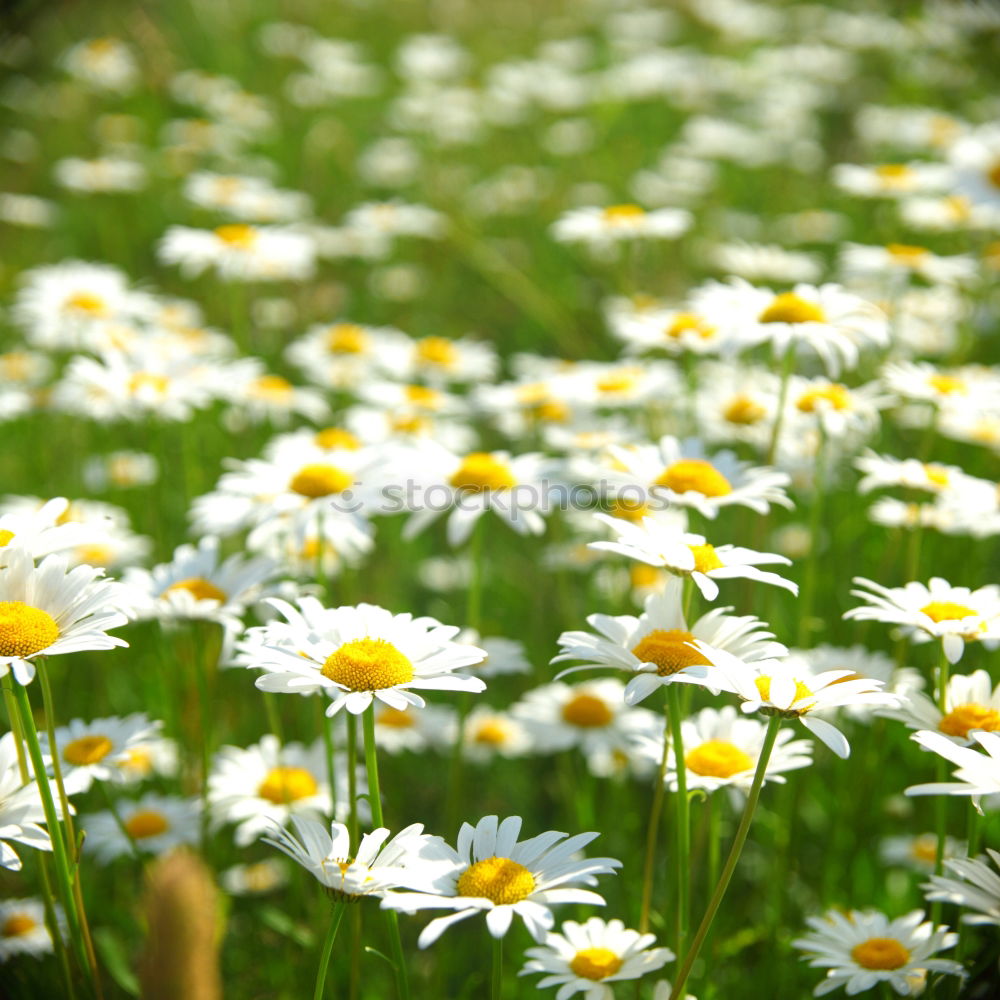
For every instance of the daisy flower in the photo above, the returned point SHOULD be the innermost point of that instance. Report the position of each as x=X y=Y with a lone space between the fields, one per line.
x=266 y=784
x=658 y=543
x=891 y=180
x=975 y=160
x=380 y=864
x=23 y=930
x=840 y=411
x=21 y=809
x=722 y=748
x=47 y=610
x=416 y=730
x=97 y=750
x=503 y=656
x=342 y=354
x=671 y=330
x=592 y=716
x=586 y=958
x=977 y=888
x=886 y=471
x=599 y=227
x=255 y=879
x=824 y=319
x=775 y=688
x=489 y=733
x=966 y=387
x=898 y=262
x=955 y=615
x=357 y=655
x=971 y=702
x=658 y=647
x=918 y=852
x=41 y=532
x=238 y=251
x=154 y=824
x=493 y=873
x=683 y=473
x=861 y=950
x=103 y=63
x=978 y=773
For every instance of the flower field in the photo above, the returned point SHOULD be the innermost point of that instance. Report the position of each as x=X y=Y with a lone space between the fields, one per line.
x=499 y=499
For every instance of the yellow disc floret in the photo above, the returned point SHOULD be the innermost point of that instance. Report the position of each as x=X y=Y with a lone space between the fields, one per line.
x=86 y=750
x=834 y=396
x=283 y=785
x=669 y=650
x=336 y=437
x=587 y=711
x=199 y=588
x=764 y=687
x=480 y=471
x=689 y=323
x=616 y=214
x=85 y=302
x=437 y=351
x=17 y=925
x=346 y=338
x=705 y=558
x=694 y=475
x=744 y=411
x=880 y=953
x=319 y=480
x=491 y=733
x=237 y=235
x=962 y=719
x=146 y=823
x=396 y=718
x=368 y=665
x=595 y=963
x=500 y=880
x=24 y=629
x=791 y=308
x=947 y=611
x=717 y=759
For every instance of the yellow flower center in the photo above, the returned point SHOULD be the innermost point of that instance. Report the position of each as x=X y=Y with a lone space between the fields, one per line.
x=87 y=750
x=395 y=718
x=140 y=381
x=17 y=925
x=925 y=849
x=628 y=508
x=336 y=437
x=947 y=385
x=95 y=555
x=25 y=630
x=551 y=412
x=947 y=611
x=346 y=338
x=490 y=733
x=423 y=396
x=410 y=424
x=837 y=397
x=260 y=876
x=139 y=760
x=717 y=759
x=937 y=474
x=319 y=480
x=964 y=718
x=587 y=711
x=237 y=235
x=893 y=172
x=481 y=471
x=705 y=559
x=146 y=823
x=284 y=785
x=437 y=351
x=880 y=953
x=628 y=212
x=642 y=576
x=689 y=323
x=499 y=880
x=272 y=387
x=993 y=174
x=199 y=588
x=791 y=308
x=694 y=475
x=669 y=650
x=368 y=665
x=84 y=302
x=595 y=963
x=5 y=537
x=744 y=410
x=764 y=687
x=620 y=381
x=907 y=255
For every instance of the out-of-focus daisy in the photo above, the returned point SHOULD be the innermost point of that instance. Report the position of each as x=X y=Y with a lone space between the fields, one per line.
x=358 y=654
x=106 y=174
x=603 y=226
x=776 y=688
x=971 y=702
x=955 y=615
x=238 y=251
x=592 y=716
x=657 y=543
x=978 y=773
x=249 y=199
x=825 y=320
x=96 y=750
x=885 y=471
x=658 y=647
x=120 y=470
x=441 y=359
x=840 y=411
x=586 y=958
x=976 y=888
x=891 y=180
x=682 y=473
x=417 y=730
x=103 y=63
x=40 y=532
x=21 y=809
x=898 y=262
x=153 y=824
x=917 y=852
x=494 y=873
x=266 y=784
x=862 y=949
x=975 y=160
x=23 y=930
x=915 y=380
x=196 y=584
x=254 y=879
x=671 y=330
x=48 y=610
x=150 y=758
x=722 y=749
x=256 y=395
x=765 y=262
x=395 y=219
x=503 y=656
x=379 y=864
x=488 y=733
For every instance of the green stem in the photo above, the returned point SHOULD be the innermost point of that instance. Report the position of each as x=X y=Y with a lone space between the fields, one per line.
x=808 y=597
x=326 y=728
x=352 y=778
x=324 y=959
x=683 y=846
x=496 y=982
x=787 y=364
x=375 y=800
x=773 y=725
x=652 y=831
